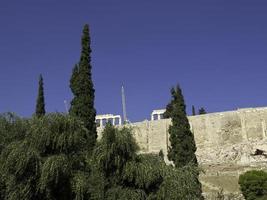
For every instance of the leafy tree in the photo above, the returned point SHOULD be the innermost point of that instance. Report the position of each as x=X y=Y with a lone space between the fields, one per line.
x=119 y=172
x=40 y=104
x=193 y=111
x=81 y=84
x=180 y=183
x=20 y=170
x=202 y=111
x=183 y=147
x=50 y=163
x=12 y=128
x=109 y=158
x=253 y=185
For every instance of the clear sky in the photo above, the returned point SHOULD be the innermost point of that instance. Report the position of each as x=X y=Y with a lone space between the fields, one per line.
x=215 y=49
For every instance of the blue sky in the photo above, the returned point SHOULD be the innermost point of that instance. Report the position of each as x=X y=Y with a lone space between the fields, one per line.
x=216 y=50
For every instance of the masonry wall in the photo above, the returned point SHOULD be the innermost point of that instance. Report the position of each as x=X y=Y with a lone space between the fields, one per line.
x=226 y=144
x=211 y=131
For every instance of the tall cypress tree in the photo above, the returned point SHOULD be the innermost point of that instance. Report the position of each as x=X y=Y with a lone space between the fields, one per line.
x=183 y=147
x=40 y=104
x=81 y=84
x=193 y=110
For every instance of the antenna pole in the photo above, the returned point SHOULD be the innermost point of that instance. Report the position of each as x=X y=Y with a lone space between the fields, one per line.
x=66 y=106
x=123 y=105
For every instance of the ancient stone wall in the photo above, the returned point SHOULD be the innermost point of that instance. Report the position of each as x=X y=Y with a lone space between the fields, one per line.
x=226 y=143
x=210 y=130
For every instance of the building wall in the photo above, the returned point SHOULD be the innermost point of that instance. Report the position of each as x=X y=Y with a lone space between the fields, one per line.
x=226 y=142
x=210 y=130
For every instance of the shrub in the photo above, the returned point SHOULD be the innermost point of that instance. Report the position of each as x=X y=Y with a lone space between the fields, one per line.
x=253 y=185
x=12 y=128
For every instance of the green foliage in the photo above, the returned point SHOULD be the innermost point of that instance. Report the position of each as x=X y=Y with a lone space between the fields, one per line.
x=81 y=185
x=161 y=154
x=122 y=193
x=183 y=148
x=55 y=177
x=146 y=172
x=12 y=128
x=118 y=172
x=57 y=133
x=82 y=105
x=49 y=162
x=253 y=185
x=202 y=111
x=180 y=183
x=40 y=104
x=53 y=162
x=19 y=168
x=115 y=150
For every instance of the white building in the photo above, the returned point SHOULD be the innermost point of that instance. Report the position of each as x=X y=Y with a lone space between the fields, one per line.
x=157 y=114
x=102 y=120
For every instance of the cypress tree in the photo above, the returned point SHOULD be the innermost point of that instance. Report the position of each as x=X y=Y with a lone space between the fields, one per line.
x=81 y=84
x=40 y=105
x=202 y=111
x=183 y=147
x=193 y=110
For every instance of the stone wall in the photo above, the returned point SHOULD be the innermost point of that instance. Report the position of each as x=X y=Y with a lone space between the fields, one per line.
x=226 y=142
x=210 y=130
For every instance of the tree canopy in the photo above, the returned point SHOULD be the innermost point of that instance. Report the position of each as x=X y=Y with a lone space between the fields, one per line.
x=122 y=173
x=81 y=84
x=182 y=149
x=48 y=162
x=52 y=162
x=253 y=185
x=40 y=103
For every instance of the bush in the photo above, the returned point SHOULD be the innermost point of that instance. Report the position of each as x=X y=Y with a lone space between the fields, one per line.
x=12 y=128
x=49 y=163
x=119 y=172
x=253 y=185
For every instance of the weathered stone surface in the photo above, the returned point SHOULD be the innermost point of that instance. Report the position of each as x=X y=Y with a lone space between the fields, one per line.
x=226 y=144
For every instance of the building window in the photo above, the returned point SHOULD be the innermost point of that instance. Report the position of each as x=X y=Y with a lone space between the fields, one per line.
x=97 y=123
x=117 y=121
x=104 y=122
x=110 y=120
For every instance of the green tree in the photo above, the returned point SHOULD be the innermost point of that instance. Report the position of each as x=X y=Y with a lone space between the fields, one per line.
x=12 y=129
x=81 y=84
x=50 y=163
x=180 y=183
x=193 y=111
x=183 y=147
x=253 y=185
x=40 y=104
x=119 y=172
x=202 y=111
